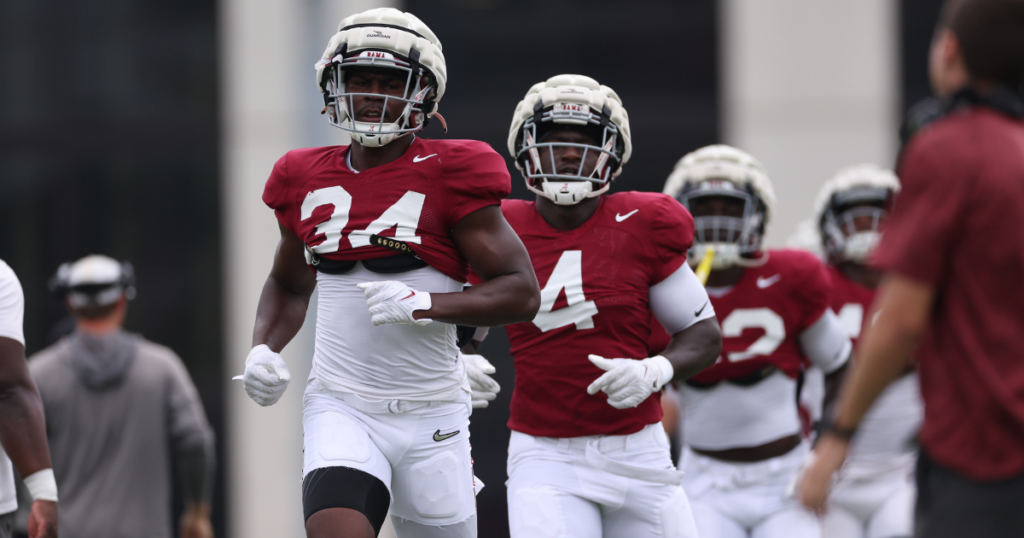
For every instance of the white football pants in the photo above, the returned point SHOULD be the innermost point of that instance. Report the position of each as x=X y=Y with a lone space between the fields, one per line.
x=873 y=500
x=420 y=450
x=741 y=500
x=615 y=486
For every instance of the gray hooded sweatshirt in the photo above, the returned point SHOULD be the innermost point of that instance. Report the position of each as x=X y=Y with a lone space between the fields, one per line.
x=117 y=409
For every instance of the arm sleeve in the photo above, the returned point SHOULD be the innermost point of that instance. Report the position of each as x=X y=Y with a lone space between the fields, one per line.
x=928 y=214
x=276 y=192
x=672 y=235
x=191 y=436
x=476 y=177
x=679 y=301
x=825 y=343
x=480 y=334
x=12 y=305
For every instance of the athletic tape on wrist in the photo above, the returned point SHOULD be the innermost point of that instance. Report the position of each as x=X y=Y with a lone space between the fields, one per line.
x=42 y=485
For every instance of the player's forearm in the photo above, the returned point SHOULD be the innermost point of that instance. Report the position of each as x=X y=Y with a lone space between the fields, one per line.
x=23 y=426
x=509 y=298
x=279 y=316
x=833 y=384
x=902 y=313
x=694 y=348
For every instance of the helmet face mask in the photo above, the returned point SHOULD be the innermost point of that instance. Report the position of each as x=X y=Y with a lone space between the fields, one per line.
x=537 y=150
x=732 y=237
x=853 y=221
x=341 y=103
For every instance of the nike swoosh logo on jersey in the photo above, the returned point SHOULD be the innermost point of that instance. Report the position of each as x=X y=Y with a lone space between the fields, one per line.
x=763 y=282
x=418 y=159
x=438 y=436
x=696 y=313
x=411 y=293
x=620 y=218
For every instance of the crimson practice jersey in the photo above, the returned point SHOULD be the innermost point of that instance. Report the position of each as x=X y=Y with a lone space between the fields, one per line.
x=851 y=302
x=418 y=199
x=595 y=282
x=763 y=315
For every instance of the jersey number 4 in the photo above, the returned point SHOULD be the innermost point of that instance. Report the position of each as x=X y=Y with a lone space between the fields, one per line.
x=568 y=275
x=404 y=217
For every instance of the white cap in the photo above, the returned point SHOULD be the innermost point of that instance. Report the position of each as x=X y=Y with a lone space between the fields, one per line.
x=95 y=280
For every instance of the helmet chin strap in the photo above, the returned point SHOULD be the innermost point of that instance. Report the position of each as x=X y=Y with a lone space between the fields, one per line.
x=568 y=192
x=859 y=246
x=725 y=256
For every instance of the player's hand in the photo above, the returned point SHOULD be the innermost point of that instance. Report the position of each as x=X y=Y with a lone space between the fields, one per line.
x=629 y=382
x=195 y=522
x=266 y=376
x=42 y=520
x=817 y=478
x=391 y=302
x=478 y=370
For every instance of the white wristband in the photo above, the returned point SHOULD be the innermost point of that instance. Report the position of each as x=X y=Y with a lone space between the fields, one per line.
x=665 y=370
x=42 y=486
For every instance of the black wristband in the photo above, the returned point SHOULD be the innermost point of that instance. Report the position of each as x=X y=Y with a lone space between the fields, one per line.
x=830 y=428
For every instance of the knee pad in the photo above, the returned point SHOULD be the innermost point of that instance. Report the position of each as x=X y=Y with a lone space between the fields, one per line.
x=344 y=487
x=436 y=488
x=535 y=513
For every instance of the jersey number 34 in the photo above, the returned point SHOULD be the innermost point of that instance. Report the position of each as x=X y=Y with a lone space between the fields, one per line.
x=403 y=216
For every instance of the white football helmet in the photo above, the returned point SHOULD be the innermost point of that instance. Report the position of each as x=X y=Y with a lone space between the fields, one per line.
x=383 y=38
x=854 y=192
x=720 y=170
x=569 y=100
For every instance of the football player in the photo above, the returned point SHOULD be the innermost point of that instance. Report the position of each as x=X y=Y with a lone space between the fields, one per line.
x=874 y=494
x=743 y=434
x=588 y=455
x=384 y=228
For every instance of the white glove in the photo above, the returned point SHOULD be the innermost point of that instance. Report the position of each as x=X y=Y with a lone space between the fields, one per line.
x=391 y=301
x=478 y=370
x=629 y=382
x=266 y=376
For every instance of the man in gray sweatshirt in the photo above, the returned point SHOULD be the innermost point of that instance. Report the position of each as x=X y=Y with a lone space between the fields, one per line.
x=118 y=408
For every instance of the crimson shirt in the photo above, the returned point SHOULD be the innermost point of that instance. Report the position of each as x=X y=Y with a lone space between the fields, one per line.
x=763 y=315
x=418 y=198
x=959 y=227
x=595 y=281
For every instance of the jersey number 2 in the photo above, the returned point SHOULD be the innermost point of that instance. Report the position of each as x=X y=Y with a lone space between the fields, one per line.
x=404 y=217
x=568 y=275
x=755 y=318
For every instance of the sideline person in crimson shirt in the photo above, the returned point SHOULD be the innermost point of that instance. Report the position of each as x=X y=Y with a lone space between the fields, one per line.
x=954 y=256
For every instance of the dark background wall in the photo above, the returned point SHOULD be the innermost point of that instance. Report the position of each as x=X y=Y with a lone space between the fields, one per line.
x=108 y=144
x=660 y=57
x=917 y=24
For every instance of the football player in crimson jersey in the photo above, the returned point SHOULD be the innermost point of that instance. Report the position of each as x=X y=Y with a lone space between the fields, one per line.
x=389 y=227
x=743 y=438
x=874 y=495
x=588 y=455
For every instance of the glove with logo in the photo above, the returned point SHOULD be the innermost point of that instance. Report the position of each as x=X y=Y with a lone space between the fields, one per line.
x=629 y=382
x=392 y=302
x=266 y=376
x=478 y=370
